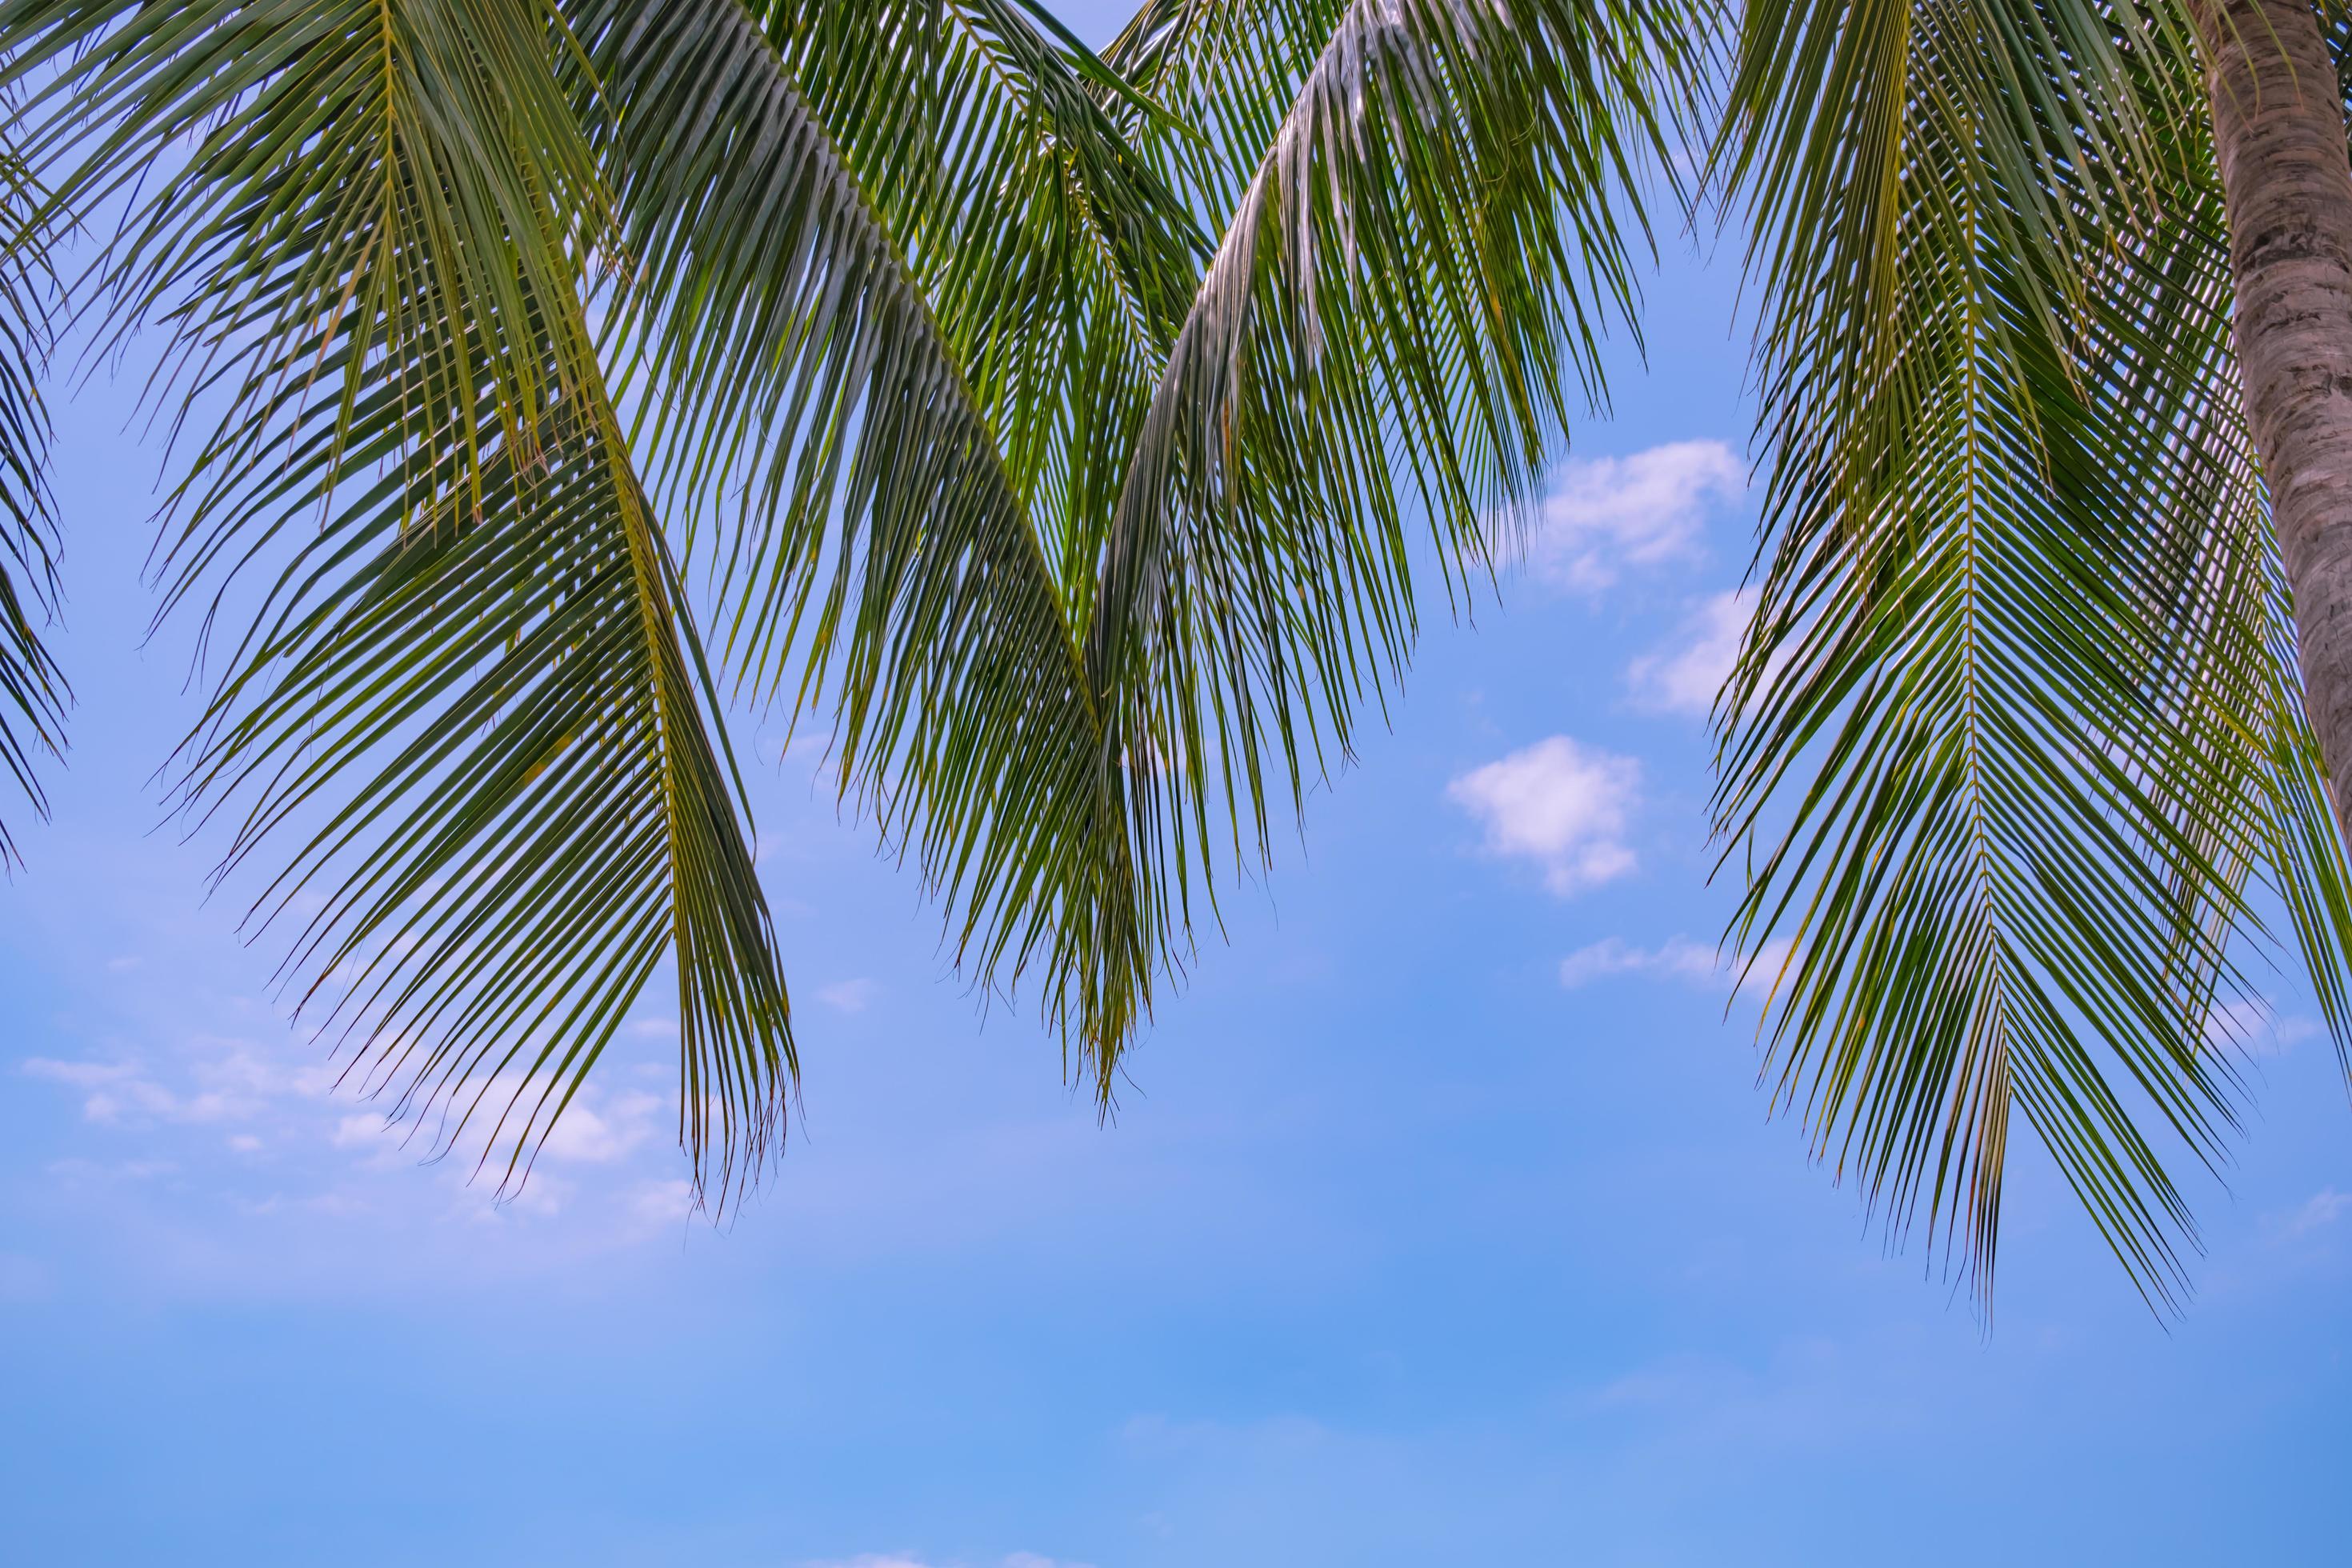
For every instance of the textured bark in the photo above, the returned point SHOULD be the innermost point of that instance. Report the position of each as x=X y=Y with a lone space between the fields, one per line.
x=2278 y=133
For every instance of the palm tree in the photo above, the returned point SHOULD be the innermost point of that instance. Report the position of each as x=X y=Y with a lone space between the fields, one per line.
x=1058 y=426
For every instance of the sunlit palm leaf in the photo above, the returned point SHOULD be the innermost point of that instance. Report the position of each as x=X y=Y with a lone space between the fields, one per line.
x=1410 y=290
x=1056 y=260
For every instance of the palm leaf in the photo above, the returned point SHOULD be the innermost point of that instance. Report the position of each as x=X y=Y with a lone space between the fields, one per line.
x=968 y=542
x=873 y=524
x=2013 y=731
x=1429 y=242
x=374 y=255
x=32 y=689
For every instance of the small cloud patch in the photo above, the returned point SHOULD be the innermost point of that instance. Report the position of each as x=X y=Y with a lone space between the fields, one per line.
x=848 y=995
x=1565 y=807
x=1606 y=516
x=1685 y=676
x=1678 y=958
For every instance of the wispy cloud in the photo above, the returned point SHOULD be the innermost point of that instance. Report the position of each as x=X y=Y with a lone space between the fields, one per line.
x=1678 y=958
x=228 y=1082
x=906 y=1560
x=1606 y=516
x=2255 y=1028
x=1684 y=675
x=372 y=1137
x=1563 y=805
x=588 y=1134
x=662 y=1203
x=283 y=1119
x=82 y=1075
x=848 y=995
x=2323 y=1209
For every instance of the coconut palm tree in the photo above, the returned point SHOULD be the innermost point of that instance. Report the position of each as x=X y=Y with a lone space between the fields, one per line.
x=1058 y=426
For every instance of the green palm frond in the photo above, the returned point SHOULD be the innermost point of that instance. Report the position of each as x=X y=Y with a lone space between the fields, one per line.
x=958 y=429
x=33 y=691
x=374 y=254
x=1430 y=242
x=2016 y=729
x=1056 y=261
x=1052 y=262
x=874 y=524
x=1227 y=72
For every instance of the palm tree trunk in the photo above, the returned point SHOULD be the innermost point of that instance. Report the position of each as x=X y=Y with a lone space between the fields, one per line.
x=2278 y=133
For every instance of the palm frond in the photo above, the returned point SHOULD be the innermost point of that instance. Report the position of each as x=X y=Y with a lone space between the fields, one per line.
x=2015 y=729
x=1407 y=213
x=372 y=257
x=1434 y=234
x=1056 y=259
x=1052 y=265
x=873 y=522
x=33 y=691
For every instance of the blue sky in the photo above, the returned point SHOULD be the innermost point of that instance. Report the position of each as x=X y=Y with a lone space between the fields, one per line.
x=1441 y=1222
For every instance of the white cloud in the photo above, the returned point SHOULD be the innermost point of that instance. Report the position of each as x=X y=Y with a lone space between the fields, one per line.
x=479 y=1198
x=1607 y=515
x=1685 y=676
x=1563 y=805
x=82 y=1075
x=2252 y=1027
x=374 y=1137
x=80 y=1172
x=662 y=1203
x=540 y=1193
x=2323 y=1209
x=848 y=995
x=587 y=1135
x=231 y=1084
x=120 y=1092
x=903 y=1560
x=1678 y=958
